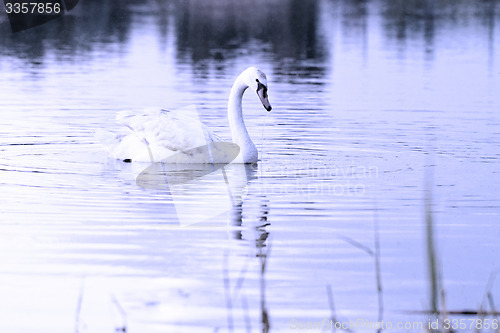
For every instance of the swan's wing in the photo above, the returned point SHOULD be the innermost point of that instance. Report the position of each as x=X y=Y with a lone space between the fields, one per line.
x=176 y=131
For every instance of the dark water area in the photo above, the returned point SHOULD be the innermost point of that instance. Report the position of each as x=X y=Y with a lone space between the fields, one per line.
x=375 y=198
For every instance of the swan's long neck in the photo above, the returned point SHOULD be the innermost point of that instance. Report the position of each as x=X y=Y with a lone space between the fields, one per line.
x=239 y=131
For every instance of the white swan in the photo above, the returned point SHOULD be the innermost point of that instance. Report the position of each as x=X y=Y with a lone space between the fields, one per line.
x=160 y=135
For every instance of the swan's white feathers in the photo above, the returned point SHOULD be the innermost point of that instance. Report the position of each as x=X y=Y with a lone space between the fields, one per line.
x=164 y=132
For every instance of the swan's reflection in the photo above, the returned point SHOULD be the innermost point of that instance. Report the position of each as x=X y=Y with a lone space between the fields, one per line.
x=201 y=191
x=263 y=252
x=262 y=248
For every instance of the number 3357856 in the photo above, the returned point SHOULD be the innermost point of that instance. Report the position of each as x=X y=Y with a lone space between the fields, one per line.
x=33 y=8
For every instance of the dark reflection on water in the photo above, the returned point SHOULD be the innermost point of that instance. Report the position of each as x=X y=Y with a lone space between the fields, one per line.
x=217 y=31
x=92 y=25
x=287 y=29
x=407 y=20
x=214 y=32
x=206 y=31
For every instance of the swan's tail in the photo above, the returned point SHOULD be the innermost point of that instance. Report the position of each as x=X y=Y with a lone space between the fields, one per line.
x=110 y=141
x=126 y=147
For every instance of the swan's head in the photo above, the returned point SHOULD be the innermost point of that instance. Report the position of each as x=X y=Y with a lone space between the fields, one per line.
x=257 y=81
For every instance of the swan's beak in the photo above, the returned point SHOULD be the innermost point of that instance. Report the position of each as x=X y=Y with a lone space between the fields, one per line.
x=262 y=92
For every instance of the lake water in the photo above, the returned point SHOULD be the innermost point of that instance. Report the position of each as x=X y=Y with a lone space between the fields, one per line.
x=379 y=169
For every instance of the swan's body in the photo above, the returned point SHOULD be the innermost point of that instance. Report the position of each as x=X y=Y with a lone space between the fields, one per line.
x=160 y=135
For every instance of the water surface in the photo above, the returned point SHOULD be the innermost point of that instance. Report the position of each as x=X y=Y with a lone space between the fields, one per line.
x=378 y=106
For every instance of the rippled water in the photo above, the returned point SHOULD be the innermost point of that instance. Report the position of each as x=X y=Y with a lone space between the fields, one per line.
x=384 y=126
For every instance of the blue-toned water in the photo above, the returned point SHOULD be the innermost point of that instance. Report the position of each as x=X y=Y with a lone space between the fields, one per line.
x=384 y=125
